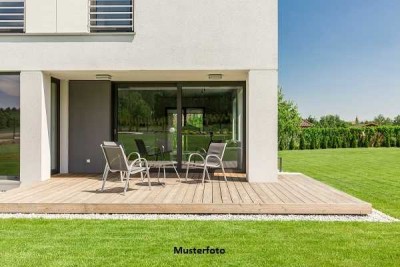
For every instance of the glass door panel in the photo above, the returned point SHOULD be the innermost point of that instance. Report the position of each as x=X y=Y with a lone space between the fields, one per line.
x=9 y=126
x=213 y=114
x=147 y=121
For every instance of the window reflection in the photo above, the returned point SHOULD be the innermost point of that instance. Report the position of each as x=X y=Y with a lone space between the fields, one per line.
x=9 y=126
x=147 y=121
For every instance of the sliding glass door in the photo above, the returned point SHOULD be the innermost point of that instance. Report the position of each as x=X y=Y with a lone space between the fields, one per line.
x=213 y=114
x=179 y=119
x=147 y=120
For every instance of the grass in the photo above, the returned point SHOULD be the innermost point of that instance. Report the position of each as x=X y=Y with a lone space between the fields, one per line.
x=151 y=243
x=9 y=159
x=372 y=174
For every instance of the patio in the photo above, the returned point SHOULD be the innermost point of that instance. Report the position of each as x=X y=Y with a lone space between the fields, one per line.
x=73 y=193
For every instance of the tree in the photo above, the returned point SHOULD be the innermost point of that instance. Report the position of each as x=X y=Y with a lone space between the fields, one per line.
x=357 y=121
x=382 y=120
x=288 y=122
x=312 y=120
x=332 y=121
x=396 y=120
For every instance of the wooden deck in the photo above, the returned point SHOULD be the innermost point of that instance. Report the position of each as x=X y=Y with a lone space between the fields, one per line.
x=292 y=194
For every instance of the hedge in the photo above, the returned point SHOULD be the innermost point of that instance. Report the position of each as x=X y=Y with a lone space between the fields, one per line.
x=353 y=137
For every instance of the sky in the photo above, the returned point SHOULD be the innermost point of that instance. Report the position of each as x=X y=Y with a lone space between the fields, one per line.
x=9 y=91
x=341 y=57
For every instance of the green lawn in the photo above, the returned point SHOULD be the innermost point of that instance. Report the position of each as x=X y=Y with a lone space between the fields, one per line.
x=9 y=159
x=370 y=174
x=151 y=243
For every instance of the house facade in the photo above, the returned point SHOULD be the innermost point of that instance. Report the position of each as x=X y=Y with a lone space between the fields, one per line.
x=176 y=74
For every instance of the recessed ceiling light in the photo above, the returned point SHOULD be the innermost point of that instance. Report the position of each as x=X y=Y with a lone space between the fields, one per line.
x=106 y=77
x=215 y=76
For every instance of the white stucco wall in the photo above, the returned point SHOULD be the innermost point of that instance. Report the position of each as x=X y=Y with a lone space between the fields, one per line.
x=68 y=23
x=35 y=125
x=173 y=40
x=170 y=35
x=262 y=126
x=41 y=16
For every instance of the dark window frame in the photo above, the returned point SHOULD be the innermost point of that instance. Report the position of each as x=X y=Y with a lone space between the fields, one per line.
x=58 y=101
x=179 y=86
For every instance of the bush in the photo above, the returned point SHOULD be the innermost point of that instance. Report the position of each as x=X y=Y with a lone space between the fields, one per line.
x=323 y=138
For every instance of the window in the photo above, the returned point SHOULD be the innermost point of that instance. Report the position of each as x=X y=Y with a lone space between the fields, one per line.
x=12 y=16
x=9 y=126
x=111 y=16
x=208 y=112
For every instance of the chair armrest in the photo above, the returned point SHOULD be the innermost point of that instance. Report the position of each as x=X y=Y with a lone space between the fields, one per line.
x=213 y=156
x=195 y=154
x=133 y=153
x=202 y=150
x=140 y=161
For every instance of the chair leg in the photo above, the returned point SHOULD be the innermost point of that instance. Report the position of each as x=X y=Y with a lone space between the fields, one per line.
x=141 y=176
x=223 y=171
x=148 y=178
x=208 y=174
x=165 y=175
x=105 y=176
x=187 y=170
x=121 y=175
x=127 y=182
x=177 y=174
x=204 y=175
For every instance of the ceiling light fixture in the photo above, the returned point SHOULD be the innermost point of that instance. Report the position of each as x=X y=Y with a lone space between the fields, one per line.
x=215 y=76
x=106 y=77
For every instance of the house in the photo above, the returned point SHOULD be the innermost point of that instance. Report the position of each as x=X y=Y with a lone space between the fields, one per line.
x=78 y=72
x=306 y=124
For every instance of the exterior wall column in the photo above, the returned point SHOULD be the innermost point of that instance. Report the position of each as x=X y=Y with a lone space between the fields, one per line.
x=64 y=125
x=262 y=126
x=35 y=100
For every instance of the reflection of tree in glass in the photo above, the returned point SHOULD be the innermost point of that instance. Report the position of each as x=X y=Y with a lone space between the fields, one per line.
x=195 y=120
x=133 y=110
x=9 y=118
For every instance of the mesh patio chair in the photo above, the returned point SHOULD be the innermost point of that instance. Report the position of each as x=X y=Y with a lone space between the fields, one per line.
x=118 y=162
x=213 y=159
x=144 y=152
x=107 y=169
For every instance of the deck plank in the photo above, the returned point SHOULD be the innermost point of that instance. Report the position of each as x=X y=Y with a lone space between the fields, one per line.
x=245 y=198
x=255 y=198
x=263 y=195
x=225 y=194
x=208 y=192
x=216 y=193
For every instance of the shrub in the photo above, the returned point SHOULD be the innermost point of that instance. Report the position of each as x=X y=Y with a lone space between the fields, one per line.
x=317 y=138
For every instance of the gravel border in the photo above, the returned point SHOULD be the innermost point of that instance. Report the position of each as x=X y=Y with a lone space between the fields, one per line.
x=375 y=216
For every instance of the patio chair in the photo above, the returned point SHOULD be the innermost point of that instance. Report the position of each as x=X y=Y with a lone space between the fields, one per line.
x=118 y=162
x=203 y=152
x=213 y=159
x=107 y=169
x=144 y=152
